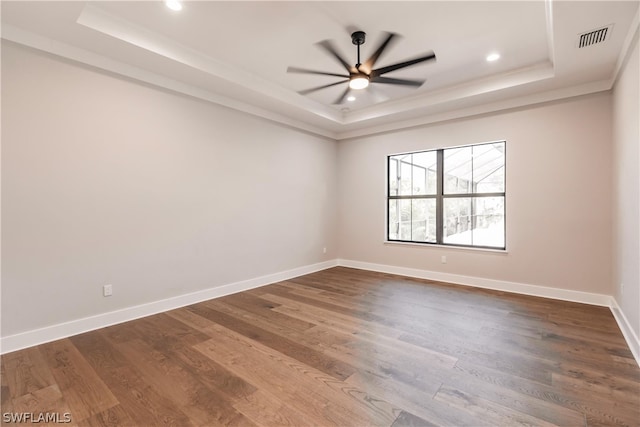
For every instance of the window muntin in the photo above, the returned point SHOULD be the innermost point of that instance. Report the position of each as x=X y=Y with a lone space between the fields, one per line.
x=451 y=196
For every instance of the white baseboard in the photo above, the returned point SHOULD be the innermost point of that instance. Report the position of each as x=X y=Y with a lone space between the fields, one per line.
x=63 y=330
x=520 y=288
x=479 y=282
x=627 y=331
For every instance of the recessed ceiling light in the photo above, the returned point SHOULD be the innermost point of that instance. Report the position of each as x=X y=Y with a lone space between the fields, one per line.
x=173 y=5
x=351 y=98
x=493 y=57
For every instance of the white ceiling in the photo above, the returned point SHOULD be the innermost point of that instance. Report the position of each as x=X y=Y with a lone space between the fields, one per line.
x=236 y=53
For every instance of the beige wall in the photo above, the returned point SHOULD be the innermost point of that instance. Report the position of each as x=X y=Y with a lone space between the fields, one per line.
x=105 y=180
x=626 y=137
x=558 y=196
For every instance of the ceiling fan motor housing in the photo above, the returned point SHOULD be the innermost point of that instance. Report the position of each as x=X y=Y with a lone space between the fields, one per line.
x=358 y=37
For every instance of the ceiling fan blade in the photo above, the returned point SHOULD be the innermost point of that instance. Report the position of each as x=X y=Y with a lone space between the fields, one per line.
x=389 y=68
x=306 y=71
x=330 y=48
x=313 y=89
x=342 y=97
x=403 y=82
x=369 y=63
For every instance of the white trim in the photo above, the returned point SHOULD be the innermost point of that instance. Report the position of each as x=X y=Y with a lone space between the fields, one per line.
x=626 y=46
x=548 y=9
x=63 y=330
x=627 y=331
x=114 y=26
x=479 y=109
x=479 y=282
x=445 y=247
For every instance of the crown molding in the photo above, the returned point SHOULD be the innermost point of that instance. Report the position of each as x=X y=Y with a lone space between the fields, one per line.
x=64 y=50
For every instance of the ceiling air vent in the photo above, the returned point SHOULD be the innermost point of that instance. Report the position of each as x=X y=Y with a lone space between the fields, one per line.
x=593 y=37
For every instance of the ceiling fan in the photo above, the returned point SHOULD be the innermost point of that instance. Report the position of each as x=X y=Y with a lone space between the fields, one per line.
x=361 y=75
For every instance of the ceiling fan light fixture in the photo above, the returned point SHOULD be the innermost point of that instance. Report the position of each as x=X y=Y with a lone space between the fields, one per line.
x=173 y=5
x=359 y=81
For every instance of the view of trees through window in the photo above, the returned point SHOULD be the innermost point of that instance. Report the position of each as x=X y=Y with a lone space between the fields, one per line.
x=452 y=196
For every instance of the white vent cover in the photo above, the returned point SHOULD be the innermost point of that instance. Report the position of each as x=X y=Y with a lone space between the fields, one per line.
x=592 y=37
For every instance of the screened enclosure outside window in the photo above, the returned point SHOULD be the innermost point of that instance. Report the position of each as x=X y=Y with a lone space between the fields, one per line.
x=451 y=196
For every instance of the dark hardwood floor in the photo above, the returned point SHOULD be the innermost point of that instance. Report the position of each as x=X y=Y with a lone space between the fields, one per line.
x=341 y=347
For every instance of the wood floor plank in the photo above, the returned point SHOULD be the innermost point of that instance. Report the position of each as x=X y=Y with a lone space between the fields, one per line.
x=313 y=357
x=406 y=419
x=26 y=372
x=143 y=404
x=414 y=311
x=112 y=417
x=340 y=347
x=481 y=408
x=265 y=409
x=263 y=309
x=5 y=392
x=339 y=402
x=84 y=391
x=418 y=401
x=214 y=375
x=515 y=364
x=590 y=406
x=202 y=405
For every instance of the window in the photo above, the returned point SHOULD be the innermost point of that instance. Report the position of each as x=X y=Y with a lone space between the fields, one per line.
x=451 y=196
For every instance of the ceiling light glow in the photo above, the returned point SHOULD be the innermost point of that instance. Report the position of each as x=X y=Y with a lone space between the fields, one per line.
x=359 y=82
x=493 y=57
x=173 y=5
x=351 y=98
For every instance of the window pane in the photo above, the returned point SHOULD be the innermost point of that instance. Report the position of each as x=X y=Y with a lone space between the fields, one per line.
x=400 y=219
x=423 y=220
x=393 y=176
x=393 y=220
x=474 y=169
x=419 y=180
x=413 y=174
x=405 y=219
x=488 y=168
x=400 y=175
x=405 y=176
x=457 y=221
x=458 y=170
x=488 y=221
x=424 y=172
x=477 y=221
x=412 y=220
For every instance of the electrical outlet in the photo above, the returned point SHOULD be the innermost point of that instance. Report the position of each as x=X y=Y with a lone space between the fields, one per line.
x=443 y=259
x=107 y=290
x=324 y=250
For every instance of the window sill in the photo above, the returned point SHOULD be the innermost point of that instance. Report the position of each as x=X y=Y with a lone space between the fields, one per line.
x=446 y=247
